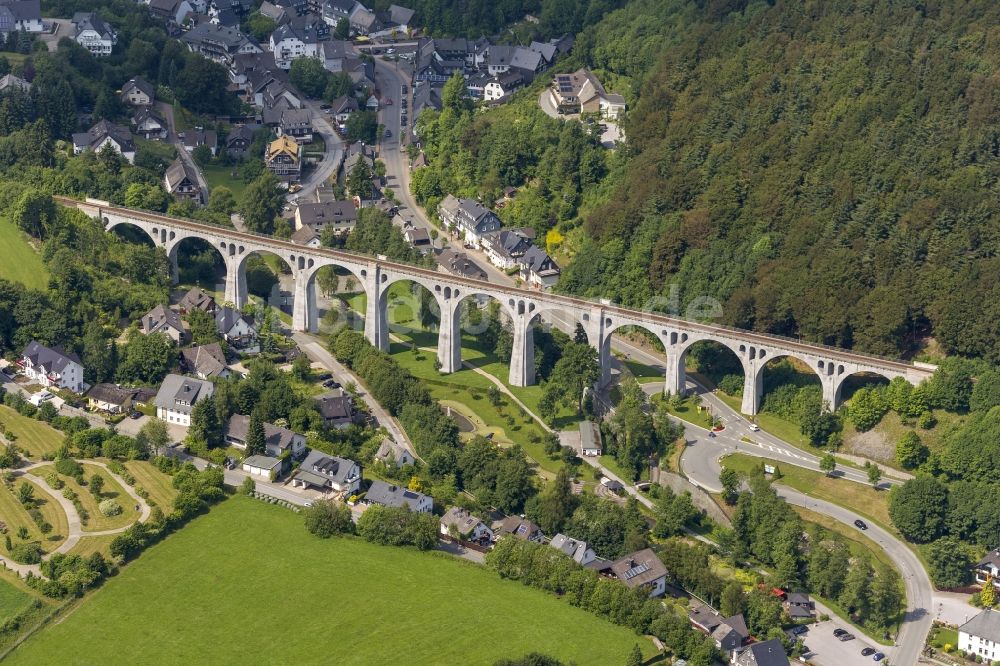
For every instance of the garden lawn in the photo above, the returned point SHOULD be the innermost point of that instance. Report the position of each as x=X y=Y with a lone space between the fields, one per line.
x=94 y=544
x=13 y=600
x=222 y=176
x=13 y=513
x=239 y=594
x=34 y=437
x=689 y=412
x=97 y=522
x=156 y=483
x=20 y=261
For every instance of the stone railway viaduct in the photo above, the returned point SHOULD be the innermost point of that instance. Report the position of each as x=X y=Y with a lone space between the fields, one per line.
x=523 y=307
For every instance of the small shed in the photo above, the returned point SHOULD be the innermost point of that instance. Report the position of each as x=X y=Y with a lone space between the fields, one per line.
x=590 y=438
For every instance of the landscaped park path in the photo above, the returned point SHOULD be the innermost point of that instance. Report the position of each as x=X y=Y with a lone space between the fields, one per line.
x=75 y=530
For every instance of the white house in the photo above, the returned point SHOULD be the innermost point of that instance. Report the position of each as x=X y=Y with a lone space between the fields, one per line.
x=980 y=636
x=105 y=134
x=578 y=550
x=640 y=570
x=52 y=366
x=465 y=525
x=328 y=473
x=395 y=496
x=235 y=327
x=277 y=440
x=295 y=40
x=469 y=218
x=177 y=397
x=94 y=34
x=21 y=15
x=538 y=269
x=162 y=319
x=391 y=453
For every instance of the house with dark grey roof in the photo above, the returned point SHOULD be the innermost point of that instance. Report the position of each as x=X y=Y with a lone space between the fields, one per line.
x=504 y=248
x=340 y=216
x=502 y=86
x=590 y=438
x=196 y=299
x=468 y=218
x=417 y=236
x=336 y=408
x=278 y=440
x=363 y=20
x=458 y=522
x=201 y=137
x=296 y=123
x=392 y=454
x=988 y=568
x=52 y=367
x=110 y=398
x=306 y=236
x=177 y=397
x=539 y=269
x=236 y=328
x=729 y=633
x=93 y=34
x=21 y=15
x=205 y=361
x=148 y=124
x=104 y=134
x=799 y=606
x=768 y=653
x=578 y=550
x=162 y=319
x=519 y=528
x=219 y=42
x=980 y=636
x=459 y=263
x=328 y=473
x=639 y=570
x=239 y=140
x=342 y=108
x=181 y=181
x=386 y=494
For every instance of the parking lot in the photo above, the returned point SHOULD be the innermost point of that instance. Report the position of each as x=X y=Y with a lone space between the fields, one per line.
x=826 y=650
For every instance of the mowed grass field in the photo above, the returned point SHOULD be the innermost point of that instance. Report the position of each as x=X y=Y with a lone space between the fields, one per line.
x=248 y=584
x=20 y=262
x=33 y=437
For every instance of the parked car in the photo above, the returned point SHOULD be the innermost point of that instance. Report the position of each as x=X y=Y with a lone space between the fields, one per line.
x=387 y=134
x=838 y=632
x=860 y=524
x=846 y=637
x=800 y=629
x=331 y=384
x=135 y=415
x=867 y=652
x=403 y=89
x=878 y=656
x=325 y=106
x=388 y=101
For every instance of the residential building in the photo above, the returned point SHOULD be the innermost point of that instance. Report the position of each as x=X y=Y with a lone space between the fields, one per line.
x=205 y=361
x=8 y=81
x=299 y=38
x=162 y=319
x=201 y=137
x=980 y=636
x=459 y=263
x=104 y=134
x=582 y=92
x=239 y=140
x=328 y=473
x=171 y=11
x=518 y=527
x=266 y=467
x=277 y=14
x=799 y=606
x=363 y=20
x=768 y=653
x=392 y=454
x=93 y=34
x=396 y=19
x=729 y=633
x=21 y=15
x=219 y=43
x=334 y=11
x=177 y=397
x=386 y=494
x=639 y=570
x=342 y=108
x=52 y=367
x=235 y=328
x=505 y=248
x=340 y=216
x=336 y=408
x=538 y=269
x=988 y=568
x=578 y=550
x=110 y=398
x=590 y=438
x=283 y=158
x=149 y=125
x=417 y=237
x=181 y=181
x=278 y=440
x=502 y=85
x=306 y=236
x=196 y=299
x=468 y=218
x=333 y=53
x=460 y=523
x=296 y=123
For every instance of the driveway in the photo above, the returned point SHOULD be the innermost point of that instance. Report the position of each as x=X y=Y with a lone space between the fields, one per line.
x=167 y=111
x=332 y=158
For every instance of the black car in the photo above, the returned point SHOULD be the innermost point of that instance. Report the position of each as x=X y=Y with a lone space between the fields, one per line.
x=800 y=629
x=838 y=632
x=860 y=524
x=135 y=415
x=867 y=651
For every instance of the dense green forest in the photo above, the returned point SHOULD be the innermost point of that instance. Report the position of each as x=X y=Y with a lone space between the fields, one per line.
x=825 y=169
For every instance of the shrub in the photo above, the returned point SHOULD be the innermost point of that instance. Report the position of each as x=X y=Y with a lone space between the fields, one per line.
x=326 y=518
x=53 y=480
x=26 y=553
x=110 y=507
x=69 y=467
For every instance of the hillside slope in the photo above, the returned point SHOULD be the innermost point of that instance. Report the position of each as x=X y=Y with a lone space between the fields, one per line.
x=827 y=169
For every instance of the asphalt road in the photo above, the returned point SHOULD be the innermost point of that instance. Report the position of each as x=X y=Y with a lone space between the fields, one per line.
x=332 y=157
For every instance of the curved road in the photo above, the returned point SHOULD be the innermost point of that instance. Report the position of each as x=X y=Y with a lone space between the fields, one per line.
x=700 y=462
